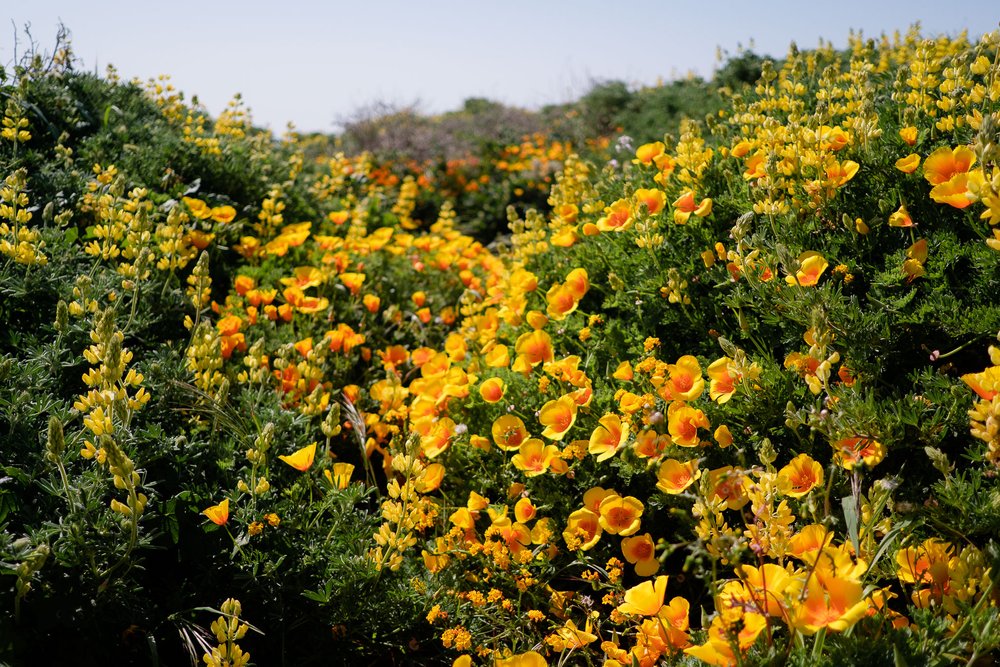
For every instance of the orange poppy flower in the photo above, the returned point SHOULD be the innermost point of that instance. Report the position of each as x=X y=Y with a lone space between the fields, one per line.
x=686 y=382
x=218 y=514
x=609 y=437
x=839 y=173
x=621 y=516
x=524 y=510
x=593 y=497
x=558 y=416
x=340 y=476
x=769 y=586
x=578 y=282
x=583 y=530
x=492 y=390
x=985 y=383
x=641 y=552
x=509 y=432
x=722 y=384
x=647 y=153
x=809 y=542
x=302 y=459
x=353 y=282
x=535 y=347
x=617 y=217
x=561 y=302
x=729 y=484
x=529 y=659
x=685 y=207
x=674 y=476
x=960 y=191
x=534 y=457
x=723 y=436
x=944 y=163
x=645 y=599
x=836 y=604
x=223 y=214
x=851 y=452
x=624 y=372
x=198 y=208
x=653 y=199
x=800 y=476
x=811 y=267
x=683 y=423
x=908 y=164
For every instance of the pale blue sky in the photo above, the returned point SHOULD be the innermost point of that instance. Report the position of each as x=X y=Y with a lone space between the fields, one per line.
x=315 y=62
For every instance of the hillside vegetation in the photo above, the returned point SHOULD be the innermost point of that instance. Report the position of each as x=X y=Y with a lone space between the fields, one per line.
x=705 y=373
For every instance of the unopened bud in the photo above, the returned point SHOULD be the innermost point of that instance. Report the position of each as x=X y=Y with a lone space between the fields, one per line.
x=56 y=444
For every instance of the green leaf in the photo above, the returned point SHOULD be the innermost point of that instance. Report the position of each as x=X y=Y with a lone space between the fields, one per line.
x=850 y=506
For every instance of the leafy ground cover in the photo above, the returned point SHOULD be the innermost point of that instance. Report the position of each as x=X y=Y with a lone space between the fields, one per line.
x=730 y=396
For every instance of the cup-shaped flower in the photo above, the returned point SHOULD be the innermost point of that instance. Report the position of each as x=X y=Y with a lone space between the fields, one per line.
x=811 y=267
x=534 y=457
x=583 y=530
x=809 y=542
x=492 y=389
x=686 y=382
x=901 y=217
x=944 y=163
x=835 y=604
x=960 y=191
x=578 y=282
x=621 y=516
x=729 y=485
x=908 y=164
x=653 y=199
x=852 y=452
x=683 y=423
x=641 y=552
x=302 y=459
x=800 y=476
x=722 y=382
x=340 y=476
x=593 y=497
x=558 y=416
x=218 y=514
x=430 y=478
x=771 y=587
x=560 y=302
x=569 y=637
x=675 y=476
x=535 y=347
x=524 y=510
x=529 y=659
x=608 y=438
x=617 y=217
x=645 y=599
x=647 y=153
x=509 y=432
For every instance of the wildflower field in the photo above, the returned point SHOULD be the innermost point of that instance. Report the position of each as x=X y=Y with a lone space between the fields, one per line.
x=725 y=394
